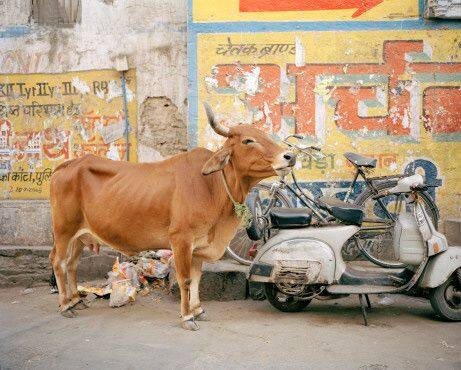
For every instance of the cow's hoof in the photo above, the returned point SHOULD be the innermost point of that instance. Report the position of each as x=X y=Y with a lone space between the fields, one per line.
x=190 y=325
x=202 y=317
x=69 y=313
x=81 y=305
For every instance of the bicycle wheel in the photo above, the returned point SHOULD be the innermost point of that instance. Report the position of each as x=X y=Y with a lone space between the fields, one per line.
x=381 y=245
x=242 y=248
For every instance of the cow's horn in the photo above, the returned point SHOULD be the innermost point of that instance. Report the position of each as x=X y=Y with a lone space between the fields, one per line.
x=218 y=128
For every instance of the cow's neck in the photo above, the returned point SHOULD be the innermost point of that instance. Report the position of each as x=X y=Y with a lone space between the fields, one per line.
x=238 y=185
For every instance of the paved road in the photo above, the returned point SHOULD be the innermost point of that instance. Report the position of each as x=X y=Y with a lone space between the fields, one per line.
x=242 y=334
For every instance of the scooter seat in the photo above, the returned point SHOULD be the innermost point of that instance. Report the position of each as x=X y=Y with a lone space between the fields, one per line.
x=343 y=211
x=289 y=218
x=360 y=160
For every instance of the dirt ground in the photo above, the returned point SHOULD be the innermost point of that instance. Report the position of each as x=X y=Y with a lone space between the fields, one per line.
x=242 y=334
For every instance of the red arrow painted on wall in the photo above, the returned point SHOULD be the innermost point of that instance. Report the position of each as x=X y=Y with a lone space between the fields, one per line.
x=292 y=5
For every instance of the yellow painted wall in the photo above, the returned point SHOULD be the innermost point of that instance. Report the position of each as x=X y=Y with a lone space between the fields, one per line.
x=46 y=119
x=414 y=74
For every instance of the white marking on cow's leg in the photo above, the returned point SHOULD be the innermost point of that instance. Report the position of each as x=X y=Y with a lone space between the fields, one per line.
x=57 y=258
x=65 y=265
x=182 y=252
x=196 y=273
x=61 y=283
x=72 y=263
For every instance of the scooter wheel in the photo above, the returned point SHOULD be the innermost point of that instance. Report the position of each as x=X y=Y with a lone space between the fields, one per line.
x=445 y=299
x=287 y=304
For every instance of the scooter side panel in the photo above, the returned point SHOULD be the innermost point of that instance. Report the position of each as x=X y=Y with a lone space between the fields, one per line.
x=311 y=257
x=440 y=267
x=312 y=243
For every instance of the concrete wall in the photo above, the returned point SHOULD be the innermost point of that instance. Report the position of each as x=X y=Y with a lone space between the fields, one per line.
x=151 y=33
x=371 y=77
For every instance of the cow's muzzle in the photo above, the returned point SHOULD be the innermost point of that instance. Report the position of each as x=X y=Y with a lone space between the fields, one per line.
x=284 y=164
x=291 y=158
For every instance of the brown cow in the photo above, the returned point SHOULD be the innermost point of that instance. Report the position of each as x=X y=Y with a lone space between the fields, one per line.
x=179 y=203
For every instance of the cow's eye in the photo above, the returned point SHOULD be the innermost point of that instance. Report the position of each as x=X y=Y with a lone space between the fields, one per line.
x=247 y=141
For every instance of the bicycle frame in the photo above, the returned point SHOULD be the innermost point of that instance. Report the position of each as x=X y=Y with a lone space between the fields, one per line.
x=310 y=203
x=307 y=201
x=370 y=185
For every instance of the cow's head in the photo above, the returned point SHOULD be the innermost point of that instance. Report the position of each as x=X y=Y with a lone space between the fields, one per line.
x=250 y=150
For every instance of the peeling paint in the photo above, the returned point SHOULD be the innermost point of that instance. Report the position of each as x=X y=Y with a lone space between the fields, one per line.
x=115 y=90
x=323 y=88
x=81 y=86
x=248 y=83
x=300 y=53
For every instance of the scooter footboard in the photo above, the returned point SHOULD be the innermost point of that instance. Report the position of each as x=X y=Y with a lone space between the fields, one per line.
x=440 y=267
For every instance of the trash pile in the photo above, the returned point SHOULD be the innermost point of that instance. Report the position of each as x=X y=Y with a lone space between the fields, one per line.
x=139 y=275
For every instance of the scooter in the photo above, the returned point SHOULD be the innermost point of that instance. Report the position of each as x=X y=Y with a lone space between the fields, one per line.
x=302 y=262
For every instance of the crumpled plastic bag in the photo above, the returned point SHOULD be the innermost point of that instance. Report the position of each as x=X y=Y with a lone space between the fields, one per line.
x=123 y=271
x=153 y=268
x=165 y=254
x=122 y=293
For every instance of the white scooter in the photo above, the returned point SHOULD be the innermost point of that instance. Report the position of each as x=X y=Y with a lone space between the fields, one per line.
x=303 y=262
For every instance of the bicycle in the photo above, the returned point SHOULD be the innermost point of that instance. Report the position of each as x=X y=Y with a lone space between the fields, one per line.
x=379 y=218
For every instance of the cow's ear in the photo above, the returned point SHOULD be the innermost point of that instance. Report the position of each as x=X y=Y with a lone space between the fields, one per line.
x=217 y=162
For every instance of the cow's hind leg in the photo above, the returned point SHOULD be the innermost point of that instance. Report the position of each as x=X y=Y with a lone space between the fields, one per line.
x=195 y=305
x=58 y=259
x=76 y=302
x=182 y=252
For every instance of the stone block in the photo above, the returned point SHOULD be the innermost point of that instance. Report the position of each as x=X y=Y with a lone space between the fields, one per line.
x=25 y=222
x=95 y=267
x=223 y=280
x=30 y=266
x=452 y=227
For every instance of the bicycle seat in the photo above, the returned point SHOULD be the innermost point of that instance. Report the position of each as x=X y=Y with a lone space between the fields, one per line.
x=288 y=218
x=360 y=160
x=343 y=211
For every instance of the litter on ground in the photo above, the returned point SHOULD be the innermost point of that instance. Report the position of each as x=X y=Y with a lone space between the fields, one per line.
x=386 y=301
x=138 y=275
x=122 y=292
x=27 y=291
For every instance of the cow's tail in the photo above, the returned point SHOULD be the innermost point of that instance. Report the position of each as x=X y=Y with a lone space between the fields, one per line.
x=52 y=280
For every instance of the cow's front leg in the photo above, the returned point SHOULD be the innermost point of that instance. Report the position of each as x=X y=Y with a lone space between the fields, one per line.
x=182 y=253
x=196 y=274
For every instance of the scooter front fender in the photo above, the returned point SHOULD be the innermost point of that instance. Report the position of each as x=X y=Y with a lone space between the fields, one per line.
x=440 y=267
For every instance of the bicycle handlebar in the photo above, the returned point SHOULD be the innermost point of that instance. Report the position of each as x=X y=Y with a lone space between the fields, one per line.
x=299 y=147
